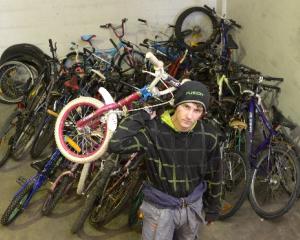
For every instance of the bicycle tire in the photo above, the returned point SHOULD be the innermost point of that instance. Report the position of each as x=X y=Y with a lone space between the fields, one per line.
x=84 y=105
x=72 y=58
x=235 y=184
x=113 y=202
x=6 y=134
x=26 y=53
x=265 y=182
x=131 y=62
x=23 y=142
x=93 y=196
x=226 y=109
x=16 y=206
x=187 y=37
x=15 y=78
x=44 y=137
x=54 y=196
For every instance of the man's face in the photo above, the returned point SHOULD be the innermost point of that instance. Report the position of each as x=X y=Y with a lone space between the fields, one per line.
x=186 y=115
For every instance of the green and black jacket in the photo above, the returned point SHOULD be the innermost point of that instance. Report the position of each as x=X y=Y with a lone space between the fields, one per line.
x=176 y=161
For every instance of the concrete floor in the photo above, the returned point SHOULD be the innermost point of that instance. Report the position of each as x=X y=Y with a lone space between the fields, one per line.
x=30 y=225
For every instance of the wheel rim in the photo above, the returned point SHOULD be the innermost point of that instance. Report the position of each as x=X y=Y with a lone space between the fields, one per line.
x=196 y=28
x=112 y=200
x=274 y=183
x=14 y=76
x=88 y=139
x=235 y=182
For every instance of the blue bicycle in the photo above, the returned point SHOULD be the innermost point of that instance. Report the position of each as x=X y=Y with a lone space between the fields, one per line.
x=23 y=196
x=275 y=171
x=124 y=54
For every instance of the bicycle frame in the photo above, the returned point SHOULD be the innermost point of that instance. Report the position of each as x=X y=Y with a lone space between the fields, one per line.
x=39 y=179
x=112 y=106
x=254 y=107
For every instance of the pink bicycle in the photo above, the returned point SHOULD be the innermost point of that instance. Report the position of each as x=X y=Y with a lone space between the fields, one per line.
x=85 y=125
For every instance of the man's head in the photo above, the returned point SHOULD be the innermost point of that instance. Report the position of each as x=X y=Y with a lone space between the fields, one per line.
x=193 y=91
x=191 y=101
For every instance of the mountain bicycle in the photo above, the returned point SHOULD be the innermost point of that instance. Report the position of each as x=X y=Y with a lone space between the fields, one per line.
x=275 y=171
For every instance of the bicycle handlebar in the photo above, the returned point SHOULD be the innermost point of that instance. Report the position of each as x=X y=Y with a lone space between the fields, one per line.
x=262 y=85
x=157 y=63
x=142 y=20
x=114 y=28
x=160 y=74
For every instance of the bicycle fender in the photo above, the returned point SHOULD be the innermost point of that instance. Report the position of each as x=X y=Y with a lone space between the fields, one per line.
x=112 y=119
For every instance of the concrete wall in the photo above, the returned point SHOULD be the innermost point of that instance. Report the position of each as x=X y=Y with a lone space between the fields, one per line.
x=269 y=42
x=35 y=21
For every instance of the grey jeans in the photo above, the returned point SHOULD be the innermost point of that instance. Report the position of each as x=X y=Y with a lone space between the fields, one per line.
x=168 y=224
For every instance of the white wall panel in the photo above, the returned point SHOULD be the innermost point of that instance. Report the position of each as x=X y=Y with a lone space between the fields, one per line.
x=269 y=42
x=35 y=21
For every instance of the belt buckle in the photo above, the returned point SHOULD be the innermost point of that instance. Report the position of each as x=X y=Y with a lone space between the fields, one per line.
x=183 y=203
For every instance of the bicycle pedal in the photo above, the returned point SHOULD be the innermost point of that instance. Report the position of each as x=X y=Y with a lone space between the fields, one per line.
x=21 y=180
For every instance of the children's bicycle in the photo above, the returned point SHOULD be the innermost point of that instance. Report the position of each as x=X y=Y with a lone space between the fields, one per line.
x=84 y=126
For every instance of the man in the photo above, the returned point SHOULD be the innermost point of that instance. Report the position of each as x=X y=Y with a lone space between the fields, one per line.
x=182 y=161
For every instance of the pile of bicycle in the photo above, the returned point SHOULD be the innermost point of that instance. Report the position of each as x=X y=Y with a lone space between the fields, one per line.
x=67 y=110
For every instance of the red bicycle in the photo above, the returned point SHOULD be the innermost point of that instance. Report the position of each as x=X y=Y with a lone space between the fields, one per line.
x=85 y=125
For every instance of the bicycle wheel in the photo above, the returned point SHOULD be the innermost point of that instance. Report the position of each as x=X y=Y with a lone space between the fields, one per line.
x=16 y=206
x=23 y=142
x=235 y=184
x=54 y=196
x=223 y=111
x=93 y=196
x=73 y=58
x=81 y=146
x=114 y=198
x=15 y=78
x=131 y=63
x=6 y=136
x=196 y=28
x=26 y=53
x=275 y=183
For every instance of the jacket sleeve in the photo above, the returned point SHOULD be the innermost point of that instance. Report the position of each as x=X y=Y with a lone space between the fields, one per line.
x=130 y=135
x=212 y=200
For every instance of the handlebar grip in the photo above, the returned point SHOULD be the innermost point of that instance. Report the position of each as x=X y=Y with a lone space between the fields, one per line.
x=124 y=20
x=154 y=60
x=50 y=43
x=269 y=78
x=104 y=26
x=209 y=8
x=234 y=23
x=142 y=20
